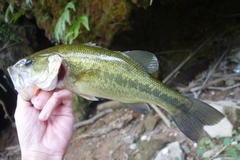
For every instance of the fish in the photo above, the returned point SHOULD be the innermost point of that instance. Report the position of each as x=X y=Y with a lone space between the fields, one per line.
x=94 y=72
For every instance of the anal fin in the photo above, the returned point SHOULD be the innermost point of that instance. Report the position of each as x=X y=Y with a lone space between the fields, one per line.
x=140 y=107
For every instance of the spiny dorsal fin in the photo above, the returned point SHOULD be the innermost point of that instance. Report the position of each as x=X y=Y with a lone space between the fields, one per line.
x=92 y=45
x=146 y=59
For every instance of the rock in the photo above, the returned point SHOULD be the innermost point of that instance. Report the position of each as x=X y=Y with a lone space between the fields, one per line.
x=140 y=128
x=147 y=149
x=150 y=122
x=185 y=148
x=212 y=152
x=229 y=82
x=90 y=158
x=133 y=146
x=171 y=151
x=219 y=158
x=223 y=128
x=145 y=138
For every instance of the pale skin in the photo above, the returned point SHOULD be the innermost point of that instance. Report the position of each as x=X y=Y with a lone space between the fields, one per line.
x=45 y=125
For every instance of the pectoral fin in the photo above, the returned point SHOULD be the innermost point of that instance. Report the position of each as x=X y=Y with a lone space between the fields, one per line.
x=88 y=97
x=140 y=107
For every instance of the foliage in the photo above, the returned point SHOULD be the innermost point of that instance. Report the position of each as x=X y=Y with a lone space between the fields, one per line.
x=60 y=32
x=151 y=1
x=73 y=30
x=11 y=16
x=9 y=11
x=64 y=18
x=7 y=34
x=227 y=149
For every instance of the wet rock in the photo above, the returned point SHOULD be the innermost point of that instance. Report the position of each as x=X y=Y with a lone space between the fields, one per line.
x=147 y=149
x=171 y=151
x=150 y=123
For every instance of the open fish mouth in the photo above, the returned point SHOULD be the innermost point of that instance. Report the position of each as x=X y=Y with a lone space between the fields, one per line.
x=61 y=73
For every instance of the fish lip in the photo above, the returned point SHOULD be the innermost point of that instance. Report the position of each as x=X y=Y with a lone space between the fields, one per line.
x=14 y=74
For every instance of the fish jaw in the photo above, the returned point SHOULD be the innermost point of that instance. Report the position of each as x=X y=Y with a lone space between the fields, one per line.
x=28 y=81
x=21 y=85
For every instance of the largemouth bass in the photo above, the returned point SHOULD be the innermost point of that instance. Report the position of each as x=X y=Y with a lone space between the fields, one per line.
x=91 y=71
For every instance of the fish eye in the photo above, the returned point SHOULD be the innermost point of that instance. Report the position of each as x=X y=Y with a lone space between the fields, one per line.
x=28 y=62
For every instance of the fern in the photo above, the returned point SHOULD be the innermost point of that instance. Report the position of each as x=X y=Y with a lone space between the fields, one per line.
x=17 y=15
x=73 y=30
x=10 y=10
x=29 y=3
x=150 y=3
x=64 y=18
x=9 y=14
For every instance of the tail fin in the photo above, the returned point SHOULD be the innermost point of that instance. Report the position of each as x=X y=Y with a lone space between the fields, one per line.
x=191 y=121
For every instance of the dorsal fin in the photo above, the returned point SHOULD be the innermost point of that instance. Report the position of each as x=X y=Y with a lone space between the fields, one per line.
x=92 y=45
x=146 y=59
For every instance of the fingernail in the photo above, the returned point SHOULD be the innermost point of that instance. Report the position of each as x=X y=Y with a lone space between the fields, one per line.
x=42 y=116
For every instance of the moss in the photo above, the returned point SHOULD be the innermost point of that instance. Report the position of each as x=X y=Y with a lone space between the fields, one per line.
x=106 y=17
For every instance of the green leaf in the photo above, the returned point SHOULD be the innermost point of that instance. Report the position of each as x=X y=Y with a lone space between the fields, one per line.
x=200 y=152
x=73 y=30
x=202 y=144
x=234 y=132
x=207 y=140
x=17 y=15
x=238 y=147
x=237 y=138
x=84 y=20
x=29 y=3
x=233 y=153
x=139 y=143
x=150 y=3
x=227 y=141
x=218 y=137
x=10 y=10
x=63 y=19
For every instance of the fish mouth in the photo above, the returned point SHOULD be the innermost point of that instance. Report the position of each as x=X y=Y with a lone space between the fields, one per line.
x=61 y=73
x=19 y=82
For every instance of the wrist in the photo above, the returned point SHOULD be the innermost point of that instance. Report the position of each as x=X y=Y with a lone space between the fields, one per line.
x=40 y=156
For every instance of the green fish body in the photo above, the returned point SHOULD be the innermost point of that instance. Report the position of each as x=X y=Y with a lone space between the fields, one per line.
x=91 y=72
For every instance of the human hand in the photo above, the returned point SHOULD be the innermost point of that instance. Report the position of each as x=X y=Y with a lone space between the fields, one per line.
x=45 y=124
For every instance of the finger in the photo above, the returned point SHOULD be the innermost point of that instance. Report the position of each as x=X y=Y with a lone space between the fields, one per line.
x=63 y=97
x=41 y=99
x=66 y=97
x=22 y=106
